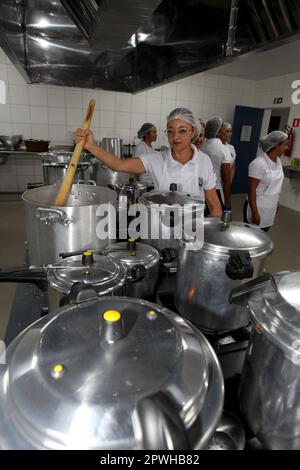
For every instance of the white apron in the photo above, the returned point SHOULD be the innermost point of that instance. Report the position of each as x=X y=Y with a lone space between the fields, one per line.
x=267 y=202
x=193 y=183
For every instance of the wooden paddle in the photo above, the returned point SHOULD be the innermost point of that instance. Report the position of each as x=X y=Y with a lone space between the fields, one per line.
x=66 y=186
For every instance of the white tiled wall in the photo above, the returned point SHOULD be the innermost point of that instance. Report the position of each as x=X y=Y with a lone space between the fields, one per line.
x=267 y=90
x=53 y=112
x=41 y=111
x=280 y=86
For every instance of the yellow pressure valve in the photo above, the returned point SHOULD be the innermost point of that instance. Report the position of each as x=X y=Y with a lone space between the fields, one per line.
x=112 y=315
x=112 y=328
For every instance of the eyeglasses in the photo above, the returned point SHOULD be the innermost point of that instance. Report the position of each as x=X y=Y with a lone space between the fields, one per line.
x=183 y=131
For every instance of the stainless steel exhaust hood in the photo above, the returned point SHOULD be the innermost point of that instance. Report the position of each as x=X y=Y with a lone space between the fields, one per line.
x=131 y=45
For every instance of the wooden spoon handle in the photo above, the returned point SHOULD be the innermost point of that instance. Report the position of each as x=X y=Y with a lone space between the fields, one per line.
x=66 y=186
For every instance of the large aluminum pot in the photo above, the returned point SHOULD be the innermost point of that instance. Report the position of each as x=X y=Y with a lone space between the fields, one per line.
x=231 y=254
x=130 y=192
x=270 y=388
x=51 y=230
x=162 y=223
x=54 y=173
x=113 y=373
x=112 y=145
x=142 y=266
x=55 y=165
x=104 y=176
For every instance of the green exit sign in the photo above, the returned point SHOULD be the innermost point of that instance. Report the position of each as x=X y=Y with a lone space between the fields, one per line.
x=278 y=100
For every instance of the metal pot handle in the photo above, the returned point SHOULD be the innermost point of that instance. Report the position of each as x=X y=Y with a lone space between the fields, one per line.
x=91 y=182
x=158 y=425
x=168 y=254
x=35 y=185
x=37 y=276
x=44 y=155
x=239 y=265
x=137 y=272
x=85 y=167
x=240 y=295
x=81 y=293
x=67 y=254
x=50 y=216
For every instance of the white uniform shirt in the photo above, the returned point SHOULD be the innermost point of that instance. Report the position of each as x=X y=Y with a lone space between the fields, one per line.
x=268 y=190
x=260 y=168
x=193 y=177
x=218 y=153
x=140 y=149
x=232 y=153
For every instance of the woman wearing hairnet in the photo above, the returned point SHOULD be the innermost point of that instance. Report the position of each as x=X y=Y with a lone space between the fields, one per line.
x=220 y=157
x=199 y=138
x=265 y=181
x=226 y=138
x=148 y=134
x=181 y=163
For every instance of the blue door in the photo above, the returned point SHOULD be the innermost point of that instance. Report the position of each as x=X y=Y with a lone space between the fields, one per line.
x=245 y=136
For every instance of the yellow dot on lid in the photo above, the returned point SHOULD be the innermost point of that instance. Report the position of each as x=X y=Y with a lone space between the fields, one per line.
x=152 y=312
x=58 y=368
x=112 y=315
x=87 y=253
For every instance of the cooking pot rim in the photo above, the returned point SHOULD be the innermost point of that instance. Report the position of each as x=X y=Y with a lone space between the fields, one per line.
x=96 y=189
x=266 y=315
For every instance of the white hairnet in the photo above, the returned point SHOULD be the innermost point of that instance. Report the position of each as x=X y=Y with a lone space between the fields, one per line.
x=145 y=129
x=270 y=141
x=184 y=114
x=227 y=125
x=212 y=127
x=198 y=130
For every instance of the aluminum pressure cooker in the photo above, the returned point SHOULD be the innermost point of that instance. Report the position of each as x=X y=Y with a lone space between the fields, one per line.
x=231 y=254
x=113 y=373
x=167 y=212
x=141 y=262
x=270 y=389
x=105 y=276
x=78 y=275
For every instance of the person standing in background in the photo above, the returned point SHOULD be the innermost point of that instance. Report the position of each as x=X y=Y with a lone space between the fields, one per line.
x=200 y=139
x=228 y=128
x=220 y=157
x=181 y=163
x=265 y=181
x=147 y=134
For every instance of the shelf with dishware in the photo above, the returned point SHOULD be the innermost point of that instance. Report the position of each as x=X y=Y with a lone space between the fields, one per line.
x=16 y=152
x=18 y=143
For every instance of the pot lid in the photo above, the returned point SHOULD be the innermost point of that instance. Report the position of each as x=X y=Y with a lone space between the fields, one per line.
x=131 y=253
x=222 y=238
x=74 y=378
x=132 y=185
x=277 y=312
x=64 y=164
x=103 y=273
x=164 y=199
